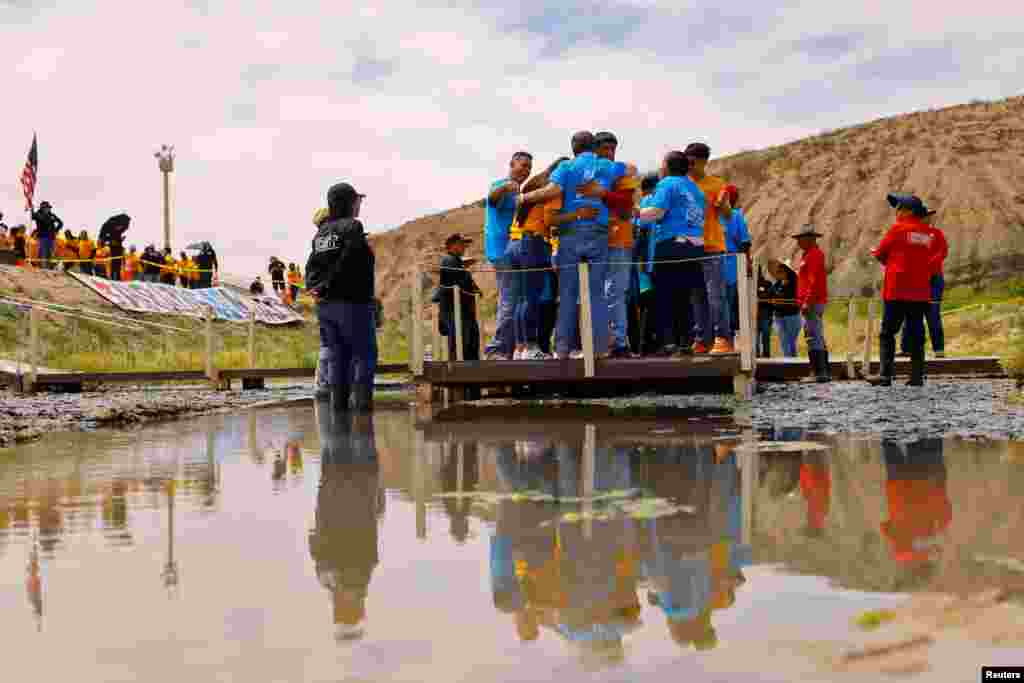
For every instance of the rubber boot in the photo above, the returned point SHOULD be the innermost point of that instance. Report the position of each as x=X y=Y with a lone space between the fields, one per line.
x=886 y=363
x=812 y=359
x=916 y=368
x=362 y=398
x=823 y=369
x=340 y=394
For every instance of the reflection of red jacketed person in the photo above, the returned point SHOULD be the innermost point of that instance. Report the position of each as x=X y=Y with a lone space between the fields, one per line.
x=816 y=487
x=919 y=509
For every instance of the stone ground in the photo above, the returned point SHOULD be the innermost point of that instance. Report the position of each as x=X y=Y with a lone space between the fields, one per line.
x=25 y=418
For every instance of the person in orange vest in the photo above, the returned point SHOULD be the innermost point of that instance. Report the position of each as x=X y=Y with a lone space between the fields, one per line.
x=86 y=250
x=33 y=251
x=918 y=504
x=132 y=266
x=294 y=278
x=812 y=296
x=69 y=251
x=20 y=245
x=912 y=252
x=184 y=269
x=102 y=259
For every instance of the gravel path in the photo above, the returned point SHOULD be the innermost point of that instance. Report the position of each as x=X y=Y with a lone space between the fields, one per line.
x=25 y=418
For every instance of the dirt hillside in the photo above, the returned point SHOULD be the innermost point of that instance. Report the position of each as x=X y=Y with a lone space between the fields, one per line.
x=967 y=161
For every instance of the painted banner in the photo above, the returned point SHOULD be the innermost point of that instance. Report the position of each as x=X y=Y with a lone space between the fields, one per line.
x=149 y=297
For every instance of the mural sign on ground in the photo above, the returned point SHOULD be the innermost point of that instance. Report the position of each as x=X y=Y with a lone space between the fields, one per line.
x=148 y=297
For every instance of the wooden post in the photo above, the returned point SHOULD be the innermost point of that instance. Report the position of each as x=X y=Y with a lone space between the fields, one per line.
x=416 y=343
x=437 y=338
x=211 y=373
x=459 y=352
x=33 y=347
x=869 y=333
x=252 y=339
x=851 y=315
x=586 y=320
x=746 y=336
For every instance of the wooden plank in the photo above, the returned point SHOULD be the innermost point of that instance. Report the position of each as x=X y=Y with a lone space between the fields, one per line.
x=783 y=369
x=586 y=321
x=621 y=370
x=459 y=349
x=746 y=335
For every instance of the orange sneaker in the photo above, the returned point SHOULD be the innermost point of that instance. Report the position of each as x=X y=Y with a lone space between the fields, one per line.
x=698 y=347
x=722 y=345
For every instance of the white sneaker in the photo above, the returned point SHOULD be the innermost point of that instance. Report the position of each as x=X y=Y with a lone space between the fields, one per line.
x=576 y=355
x=494 y=355
x=517 y=355
x=534 y=353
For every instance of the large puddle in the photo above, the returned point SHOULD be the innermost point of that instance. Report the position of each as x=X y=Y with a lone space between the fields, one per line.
x=283 y=545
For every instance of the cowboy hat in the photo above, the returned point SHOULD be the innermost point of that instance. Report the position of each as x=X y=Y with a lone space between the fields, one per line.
x=807 y=231
x=783 y=263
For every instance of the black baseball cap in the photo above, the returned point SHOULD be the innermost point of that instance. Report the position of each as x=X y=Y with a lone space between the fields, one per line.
x=698 y=150
x=457 y=237
x=649 y=182
x=903 y=200
x=342 y=191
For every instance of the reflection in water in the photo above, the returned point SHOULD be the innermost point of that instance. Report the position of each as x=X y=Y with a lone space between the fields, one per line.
x=343 y=542
x=582 y=580
x=621 y=541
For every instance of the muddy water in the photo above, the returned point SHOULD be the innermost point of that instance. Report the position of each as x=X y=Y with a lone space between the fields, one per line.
x=283 y=545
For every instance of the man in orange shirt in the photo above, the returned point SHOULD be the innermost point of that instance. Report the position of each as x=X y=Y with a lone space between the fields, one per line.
x=713 y=312
x=811 y=296
x=619 y=201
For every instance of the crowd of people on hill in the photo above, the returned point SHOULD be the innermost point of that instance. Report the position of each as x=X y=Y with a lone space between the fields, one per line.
x=49 y=246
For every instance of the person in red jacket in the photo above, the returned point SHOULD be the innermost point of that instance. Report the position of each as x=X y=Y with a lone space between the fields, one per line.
x=912 y=253
x=816 y=487
x=812 y=295
x=920 y=511
x=933 y=317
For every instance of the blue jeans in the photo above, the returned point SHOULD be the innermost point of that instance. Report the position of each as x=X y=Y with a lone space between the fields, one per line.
x=712 y=314
x=814 y=328
x=615 y=290
x=527 y=255
x=933 y=316
x=346 y=330
x=732 y=299
x=504 y=331
x=45 y=251
x=789 y=331
x=589 y=243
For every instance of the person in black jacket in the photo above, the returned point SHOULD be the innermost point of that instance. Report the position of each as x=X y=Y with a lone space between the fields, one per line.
x=276 y=270
x=151 y=260
x=785 y=308
x=112 y=236
x=206 y=264
x=48 y=226
x=256 y=288
x=455 y=274
x=764 y=315
x=339 y=275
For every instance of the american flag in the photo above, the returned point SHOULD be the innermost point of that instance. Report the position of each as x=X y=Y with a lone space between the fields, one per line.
x=28 y=175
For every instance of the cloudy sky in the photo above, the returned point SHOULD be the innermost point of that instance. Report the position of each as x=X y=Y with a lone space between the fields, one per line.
x=419 y=106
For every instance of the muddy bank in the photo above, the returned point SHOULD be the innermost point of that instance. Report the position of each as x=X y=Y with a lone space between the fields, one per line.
x=970 y=408
x=25 y=418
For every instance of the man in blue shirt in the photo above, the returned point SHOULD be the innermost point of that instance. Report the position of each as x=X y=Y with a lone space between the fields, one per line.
x=501 y=210
x=583 y=182
x=737 y=240
x=677 y=206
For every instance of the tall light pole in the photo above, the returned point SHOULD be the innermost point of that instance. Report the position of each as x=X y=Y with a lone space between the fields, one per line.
x=166 y=159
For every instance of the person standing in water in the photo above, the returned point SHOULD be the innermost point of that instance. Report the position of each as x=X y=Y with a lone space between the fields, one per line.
x=340 y=275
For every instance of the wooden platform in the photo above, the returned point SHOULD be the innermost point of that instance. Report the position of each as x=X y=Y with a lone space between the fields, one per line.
x=66 y=380
x=789 y=369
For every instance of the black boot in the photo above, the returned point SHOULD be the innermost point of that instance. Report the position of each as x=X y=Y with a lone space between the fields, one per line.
x=886 y=363
x=823 y=370
x=339 y=397
x=916 y=368
x=362 y=398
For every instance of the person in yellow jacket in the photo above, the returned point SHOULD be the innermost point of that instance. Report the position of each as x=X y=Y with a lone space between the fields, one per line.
x=33 y=251
x=86 y=250
x=169 y=269
x=132 y=266
x=193 y=273
x=185 y=268
x=69 y=249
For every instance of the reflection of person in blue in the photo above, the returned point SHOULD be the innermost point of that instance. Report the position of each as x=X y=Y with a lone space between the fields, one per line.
x=695 y=560
x=580 y=584
x=919 y=508
x=343 y=542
